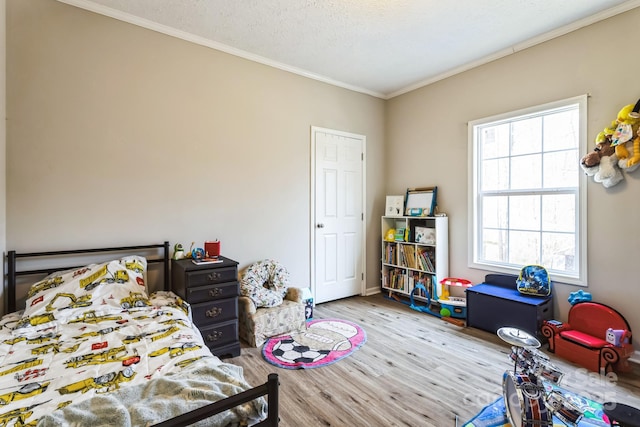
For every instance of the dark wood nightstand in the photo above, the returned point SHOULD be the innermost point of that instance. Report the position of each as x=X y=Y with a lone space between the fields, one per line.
x=212 y=290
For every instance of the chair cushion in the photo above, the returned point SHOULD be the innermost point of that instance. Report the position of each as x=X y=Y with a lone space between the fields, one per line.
x=583 y=339
x=265 y=282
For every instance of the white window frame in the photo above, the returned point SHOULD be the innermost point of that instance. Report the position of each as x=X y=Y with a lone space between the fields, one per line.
x=474 y=247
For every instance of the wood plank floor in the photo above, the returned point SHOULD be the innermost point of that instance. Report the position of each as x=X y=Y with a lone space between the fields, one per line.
x=414 y=370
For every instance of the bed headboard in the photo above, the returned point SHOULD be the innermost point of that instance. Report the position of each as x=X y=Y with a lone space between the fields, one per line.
x=13 y=272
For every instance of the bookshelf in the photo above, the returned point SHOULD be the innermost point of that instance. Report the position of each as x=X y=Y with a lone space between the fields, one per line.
x=414 y=250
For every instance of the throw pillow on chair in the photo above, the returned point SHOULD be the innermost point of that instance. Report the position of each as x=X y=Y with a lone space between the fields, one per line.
x=265 y=282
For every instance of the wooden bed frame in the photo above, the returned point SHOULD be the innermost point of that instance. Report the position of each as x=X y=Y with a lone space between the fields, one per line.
x=270 y=389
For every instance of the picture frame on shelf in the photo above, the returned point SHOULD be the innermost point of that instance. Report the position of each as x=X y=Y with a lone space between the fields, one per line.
x=421 y=201
x=394 y=206
x=425 y=235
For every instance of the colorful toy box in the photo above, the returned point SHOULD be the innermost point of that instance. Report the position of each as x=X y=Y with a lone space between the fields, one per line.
x=451 y=296
x=497 y=303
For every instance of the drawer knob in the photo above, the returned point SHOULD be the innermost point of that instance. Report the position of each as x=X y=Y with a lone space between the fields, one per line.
x=215 y=292
x=214 y=312
x=213 y=276
x=215 y=336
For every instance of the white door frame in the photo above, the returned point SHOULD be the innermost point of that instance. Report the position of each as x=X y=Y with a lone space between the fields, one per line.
x=312 y=216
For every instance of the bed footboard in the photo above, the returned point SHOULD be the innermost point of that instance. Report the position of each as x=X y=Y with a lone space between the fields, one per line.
x=269 y=389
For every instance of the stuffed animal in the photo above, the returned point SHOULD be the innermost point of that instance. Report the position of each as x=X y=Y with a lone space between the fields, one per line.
x=178 y=251
x=618 y=337
x=390 y=236
x=625 y=130
x=579 y=296
x=602 y=162
x=631 y=163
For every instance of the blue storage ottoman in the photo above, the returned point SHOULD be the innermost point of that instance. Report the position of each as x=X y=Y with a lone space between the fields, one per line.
x=497 y=303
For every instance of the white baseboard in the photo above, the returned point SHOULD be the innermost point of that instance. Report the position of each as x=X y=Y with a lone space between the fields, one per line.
x=635 y=357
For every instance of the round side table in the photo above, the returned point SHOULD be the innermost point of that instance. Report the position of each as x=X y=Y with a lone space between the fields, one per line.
x=624 y=415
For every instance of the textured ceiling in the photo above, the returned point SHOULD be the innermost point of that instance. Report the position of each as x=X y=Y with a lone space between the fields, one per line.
x=380 y=47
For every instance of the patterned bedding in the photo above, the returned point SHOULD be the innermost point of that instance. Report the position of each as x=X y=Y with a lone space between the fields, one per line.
x=94 y=332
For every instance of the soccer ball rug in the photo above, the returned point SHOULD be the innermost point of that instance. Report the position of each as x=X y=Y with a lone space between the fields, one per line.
x=288 y=350
x=323 y=342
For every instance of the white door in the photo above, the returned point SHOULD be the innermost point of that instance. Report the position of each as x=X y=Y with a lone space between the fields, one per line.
x=338 y=214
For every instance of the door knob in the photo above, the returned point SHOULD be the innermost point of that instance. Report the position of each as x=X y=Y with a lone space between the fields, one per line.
x=320 y=225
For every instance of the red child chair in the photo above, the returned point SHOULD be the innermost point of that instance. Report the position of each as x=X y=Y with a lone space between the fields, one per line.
x=583 y=339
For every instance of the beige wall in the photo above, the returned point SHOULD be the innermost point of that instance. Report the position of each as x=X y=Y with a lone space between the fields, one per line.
x=118 y=135
x=426 y=133
x=121 y=135
x=3 y=132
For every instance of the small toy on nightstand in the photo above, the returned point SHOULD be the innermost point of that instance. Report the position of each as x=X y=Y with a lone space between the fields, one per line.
x=178 y=251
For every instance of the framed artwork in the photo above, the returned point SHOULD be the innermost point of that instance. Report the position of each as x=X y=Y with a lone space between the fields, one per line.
x=421 y=201
x=425 y=235
x=395 y=206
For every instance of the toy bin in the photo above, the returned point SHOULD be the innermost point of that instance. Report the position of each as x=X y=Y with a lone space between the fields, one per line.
x=497 y=303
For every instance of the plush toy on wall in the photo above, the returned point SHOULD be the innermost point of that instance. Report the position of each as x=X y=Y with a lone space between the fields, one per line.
x=602 y=162
x=625 y=131
x=618 y=337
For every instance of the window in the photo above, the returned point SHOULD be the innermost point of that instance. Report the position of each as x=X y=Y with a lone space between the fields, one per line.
x=528 y=191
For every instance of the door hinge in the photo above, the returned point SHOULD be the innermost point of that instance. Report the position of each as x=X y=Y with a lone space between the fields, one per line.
x=362 y=276
x=362 y=216
x=362 y=156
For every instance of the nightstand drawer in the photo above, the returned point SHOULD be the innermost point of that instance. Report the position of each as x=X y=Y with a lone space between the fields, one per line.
x=211 y=276
x=206 y=313
x=220 y=334
x=212 y=292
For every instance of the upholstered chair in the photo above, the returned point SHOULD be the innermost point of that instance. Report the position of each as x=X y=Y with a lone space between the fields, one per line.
x=268 y=306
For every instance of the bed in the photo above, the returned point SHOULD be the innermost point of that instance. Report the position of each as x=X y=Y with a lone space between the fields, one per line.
x=93 y=346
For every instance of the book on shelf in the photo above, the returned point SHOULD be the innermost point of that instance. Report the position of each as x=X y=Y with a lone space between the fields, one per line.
x=410 y=256
x=209 y=260
x=397 y=279
x=426 y=260
x=390 y=254
x=402 y=260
